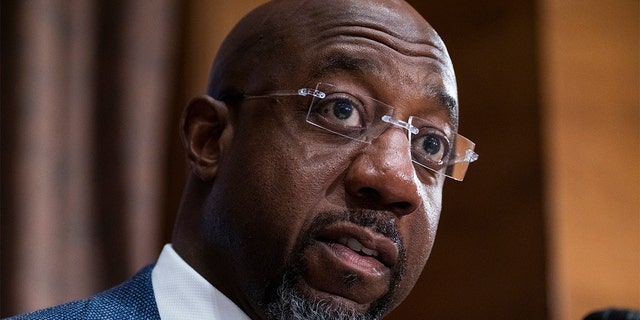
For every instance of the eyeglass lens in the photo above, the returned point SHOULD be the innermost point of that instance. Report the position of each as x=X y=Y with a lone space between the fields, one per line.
x=360 y=118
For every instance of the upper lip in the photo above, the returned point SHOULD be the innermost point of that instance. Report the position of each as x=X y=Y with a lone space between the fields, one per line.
x=387 y=250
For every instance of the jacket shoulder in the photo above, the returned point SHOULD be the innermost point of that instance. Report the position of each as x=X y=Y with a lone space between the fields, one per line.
x=133 y=299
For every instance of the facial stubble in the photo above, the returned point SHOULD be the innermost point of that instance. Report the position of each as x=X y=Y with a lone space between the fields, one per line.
x=287 y=298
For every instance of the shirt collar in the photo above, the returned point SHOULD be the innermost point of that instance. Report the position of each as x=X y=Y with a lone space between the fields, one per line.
x=182 y=293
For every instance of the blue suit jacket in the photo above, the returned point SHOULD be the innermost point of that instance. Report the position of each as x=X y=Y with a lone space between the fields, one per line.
x=133 y=299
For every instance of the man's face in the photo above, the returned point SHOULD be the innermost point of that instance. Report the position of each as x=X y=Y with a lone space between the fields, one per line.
x=317 y=217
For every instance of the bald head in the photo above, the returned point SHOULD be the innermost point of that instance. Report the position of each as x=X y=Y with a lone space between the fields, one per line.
x=273 y=42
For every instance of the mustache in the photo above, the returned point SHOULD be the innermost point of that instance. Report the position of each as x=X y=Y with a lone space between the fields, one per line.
x=381 y=222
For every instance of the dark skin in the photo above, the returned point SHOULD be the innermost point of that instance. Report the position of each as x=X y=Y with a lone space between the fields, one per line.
x=268 y=192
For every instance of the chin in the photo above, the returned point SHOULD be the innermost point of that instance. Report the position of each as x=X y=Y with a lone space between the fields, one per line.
x=291 y=299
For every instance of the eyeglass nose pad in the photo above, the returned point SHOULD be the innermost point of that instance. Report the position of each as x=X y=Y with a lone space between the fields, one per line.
x=400 y=123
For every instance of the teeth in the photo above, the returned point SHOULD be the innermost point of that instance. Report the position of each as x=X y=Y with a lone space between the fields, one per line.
x=356 y=246
x=369 y=252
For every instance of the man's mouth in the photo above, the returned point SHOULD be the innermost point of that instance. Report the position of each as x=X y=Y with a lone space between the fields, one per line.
x=350 y=261
x=361 y=241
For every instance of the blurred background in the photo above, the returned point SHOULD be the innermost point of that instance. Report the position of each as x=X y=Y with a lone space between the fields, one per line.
x=546 y=224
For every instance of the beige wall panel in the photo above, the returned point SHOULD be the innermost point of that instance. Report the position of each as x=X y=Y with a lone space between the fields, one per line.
x=590 y=82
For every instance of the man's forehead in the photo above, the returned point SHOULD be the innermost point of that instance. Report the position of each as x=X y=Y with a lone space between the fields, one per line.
x=356 y=38
x=395 y=18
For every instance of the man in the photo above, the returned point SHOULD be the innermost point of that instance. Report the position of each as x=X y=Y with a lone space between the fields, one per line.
x=317 y=165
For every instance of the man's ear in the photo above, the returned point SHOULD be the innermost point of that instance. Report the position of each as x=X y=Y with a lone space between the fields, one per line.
x=205 y=130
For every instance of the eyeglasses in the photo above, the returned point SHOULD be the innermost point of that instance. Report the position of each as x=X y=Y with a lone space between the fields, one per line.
x=363 y=118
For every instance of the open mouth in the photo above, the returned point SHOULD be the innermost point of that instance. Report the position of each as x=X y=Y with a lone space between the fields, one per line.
x=355 y=244
x=351 y=262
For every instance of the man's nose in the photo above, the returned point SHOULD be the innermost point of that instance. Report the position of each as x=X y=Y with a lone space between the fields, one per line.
x=382 y=176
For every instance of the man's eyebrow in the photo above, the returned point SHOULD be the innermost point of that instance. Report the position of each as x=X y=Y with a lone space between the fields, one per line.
x=342 y=62
x=447 y=101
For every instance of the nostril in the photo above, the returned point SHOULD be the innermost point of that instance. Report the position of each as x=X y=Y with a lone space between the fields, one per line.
x=369 y=193
x=402 y=208
x=375 y=199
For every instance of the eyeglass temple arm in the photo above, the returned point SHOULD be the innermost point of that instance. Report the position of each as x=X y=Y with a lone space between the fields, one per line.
x=300 y=92
x=311 y=92
x=470 y=156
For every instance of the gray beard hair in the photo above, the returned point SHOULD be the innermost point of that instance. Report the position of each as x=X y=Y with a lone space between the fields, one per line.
x=291 y=304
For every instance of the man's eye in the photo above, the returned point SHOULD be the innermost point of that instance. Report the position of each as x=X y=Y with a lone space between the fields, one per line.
x=430 y=147
x=341 y=112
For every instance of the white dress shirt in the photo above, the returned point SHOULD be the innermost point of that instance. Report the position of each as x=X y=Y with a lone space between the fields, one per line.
x=182 y=293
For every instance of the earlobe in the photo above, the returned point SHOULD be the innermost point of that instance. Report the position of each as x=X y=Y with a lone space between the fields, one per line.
x=204 y=129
